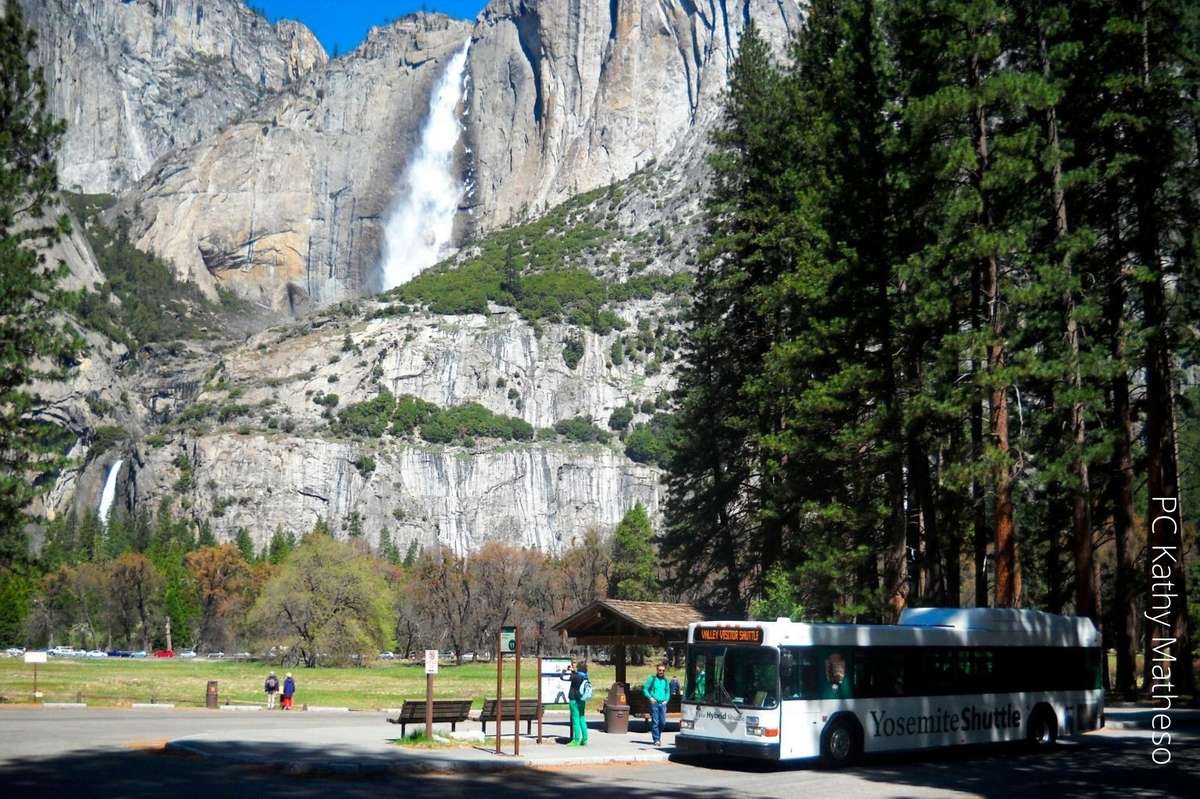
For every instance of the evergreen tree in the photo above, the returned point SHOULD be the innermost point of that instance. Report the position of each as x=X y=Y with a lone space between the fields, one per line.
x=206 y=538
x=411 y=554
x=511 y=281
x=387 y=548
x=280 y=547
x=35 y=344
x=245 y=544
x=634 y=560
x=715 y=534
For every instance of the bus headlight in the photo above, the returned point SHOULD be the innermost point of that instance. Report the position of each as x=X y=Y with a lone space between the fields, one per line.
x=752 y=727
x=687 y=724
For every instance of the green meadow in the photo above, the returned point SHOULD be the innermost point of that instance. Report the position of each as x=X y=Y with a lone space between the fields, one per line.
x=123 y=681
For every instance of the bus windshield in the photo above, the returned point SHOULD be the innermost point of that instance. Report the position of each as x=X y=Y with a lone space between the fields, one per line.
x=732 y=675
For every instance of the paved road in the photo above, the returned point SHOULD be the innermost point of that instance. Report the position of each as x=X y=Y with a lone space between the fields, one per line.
x=115 y=754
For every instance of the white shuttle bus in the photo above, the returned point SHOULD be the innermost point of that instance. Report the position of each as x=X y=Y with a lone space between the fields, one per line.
x=941 y=676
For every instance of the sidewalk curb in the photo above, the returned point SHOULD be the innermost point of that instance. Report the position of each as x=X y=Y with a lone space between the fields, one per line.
x=151 y=706
x=414 y=765
x=335 y=768
x=63 y=705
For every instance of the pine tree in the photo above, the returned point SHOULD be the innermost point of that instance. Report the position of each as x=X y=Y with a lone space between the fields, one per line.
x=35 y=343
x=280 y=547
x=635 y=562
x=387 y=548
x=206 y=538
x=411 y=554
x=715 y=534
x=245 y=544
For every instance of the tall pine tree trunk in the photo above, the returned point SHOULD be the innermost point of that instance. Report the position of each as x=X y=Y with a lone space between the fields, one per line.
x=1121 y=480
x=1164 y=517
x=1087 y=579
x=1007 y=580
x=978 y=510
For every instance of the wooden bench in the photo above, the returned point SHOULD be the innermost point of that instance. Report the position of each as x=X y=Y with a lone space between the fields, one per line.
x=639 y=704
x=531 y=710
x=445 y=711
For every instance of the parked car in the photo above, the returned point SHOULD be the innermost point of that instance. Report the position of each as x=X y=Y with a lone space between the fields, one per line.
x=187 y=654
x=164 y=653
x=15 y=651
x=97 y=653
x=215 y=655
x=387 y=655
x=141 y=653
x=120 y=653
x=243 y=656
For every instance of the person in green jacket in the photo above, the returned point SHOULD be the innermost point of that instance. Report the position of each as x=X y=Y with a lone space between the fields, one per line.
x=658 y=690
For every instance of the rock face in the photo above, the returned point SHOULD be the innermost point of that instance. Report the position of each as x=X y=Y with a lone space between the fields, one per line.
x=568 y=95
x=542 y=496
x=139 y=78
x=287 y=206
x=496 y=360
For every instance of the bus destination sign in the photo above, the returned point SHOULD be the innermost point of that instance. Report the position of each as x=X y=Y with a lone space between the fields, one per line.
x=730 y=635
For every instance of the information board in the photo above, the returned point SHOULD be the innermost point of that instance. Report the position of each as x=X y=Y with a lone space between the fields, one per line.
x=431 y=661
x=35 y=657
x=554 y=687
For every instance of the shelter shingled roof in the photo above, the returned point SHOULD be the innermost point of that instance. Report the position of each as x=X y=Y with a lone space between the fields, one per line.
x=654 y=618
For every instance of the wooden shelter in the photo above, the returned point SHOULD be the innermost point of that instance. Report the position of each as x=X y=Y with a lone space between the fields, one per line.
x=618 y=623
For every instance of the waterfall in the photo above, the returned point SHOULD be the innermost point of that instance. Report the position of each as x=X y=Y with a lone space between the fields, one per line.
x=422 y=223
x=110 y=491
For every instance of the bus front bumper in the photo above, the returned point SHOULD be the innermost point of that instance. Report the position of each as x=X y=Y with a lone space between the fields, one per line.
x=697 y=745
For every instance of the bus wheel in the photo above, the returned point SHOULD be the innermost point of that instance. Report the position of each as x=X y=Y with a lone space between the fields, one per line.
x=840 y=747
x=1043 y=728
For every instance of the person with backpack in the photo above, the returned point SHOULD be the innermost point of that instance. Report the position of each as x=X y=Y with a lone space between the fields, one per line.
x=289 y=689
x=271 y=687
x=577 y=698
x=658 y=691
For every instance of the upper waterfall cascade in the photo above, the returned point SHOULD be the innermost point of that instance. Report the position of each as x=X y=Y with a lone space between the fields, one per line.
x=110 y=491
x=420 y=228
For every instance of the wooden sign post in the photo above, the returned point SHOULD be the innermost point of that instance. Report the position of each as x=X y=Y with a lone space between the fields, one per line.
x=517 y=700
x=539 y=704
x=431 y=667
x=35 y=658
x=499 y=682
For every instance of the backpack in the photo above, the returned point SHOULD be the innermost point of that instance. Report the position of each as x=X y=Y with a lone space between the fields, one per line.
x=585 y=690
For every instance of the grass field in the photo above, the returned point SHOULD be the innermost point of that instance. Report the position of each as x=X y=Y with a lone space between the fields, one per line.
x=115 y=682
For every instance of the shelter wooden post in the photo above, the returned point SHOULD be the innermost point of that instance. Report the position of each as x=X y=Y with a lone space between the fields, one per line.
x=619 y=655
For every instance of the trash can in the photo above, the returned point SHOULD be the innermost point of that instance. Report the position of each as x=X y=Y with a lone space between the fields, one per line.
x=616 y=719
x=210 y=697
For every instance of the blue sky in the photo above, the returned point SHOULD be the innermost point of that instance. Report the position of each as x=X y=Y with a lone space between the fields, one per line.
x=343 y=24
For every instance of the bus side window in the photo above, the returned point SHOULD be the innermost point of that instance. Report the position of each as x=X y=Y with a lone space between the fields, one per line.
x=836 y=675
x=797 y=674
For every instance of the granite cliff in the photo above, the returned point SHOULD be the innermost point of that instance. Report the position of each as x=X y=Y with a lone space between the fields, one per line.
x=246 y=160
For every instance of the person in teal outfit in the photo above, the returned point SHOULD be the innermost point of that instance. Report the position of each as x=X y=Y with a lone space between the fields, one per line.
x=578 y=676
x=658 y=690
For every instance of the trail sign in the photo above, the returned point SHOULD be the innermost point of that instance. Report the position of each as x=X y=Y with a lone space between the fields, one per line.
x=431 y=661
x=508 y=639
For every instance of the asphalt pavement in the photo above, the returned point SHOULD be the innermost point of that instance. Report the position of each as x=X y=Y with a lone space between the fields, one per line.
x=94 y=752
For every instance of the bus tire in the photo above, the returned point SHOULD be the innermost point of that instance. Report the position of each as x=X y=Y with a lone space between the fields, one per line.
x=1043 y=728
x=841 y=745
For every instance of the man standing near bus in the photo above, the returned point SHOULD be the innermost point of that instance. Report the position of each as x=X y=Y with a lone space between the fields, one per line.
x=658 y=691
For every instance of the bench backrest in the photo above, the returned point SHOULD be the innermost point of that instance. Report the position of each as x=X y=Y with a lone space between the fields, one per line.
x=529 y=707
x=443 y=709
